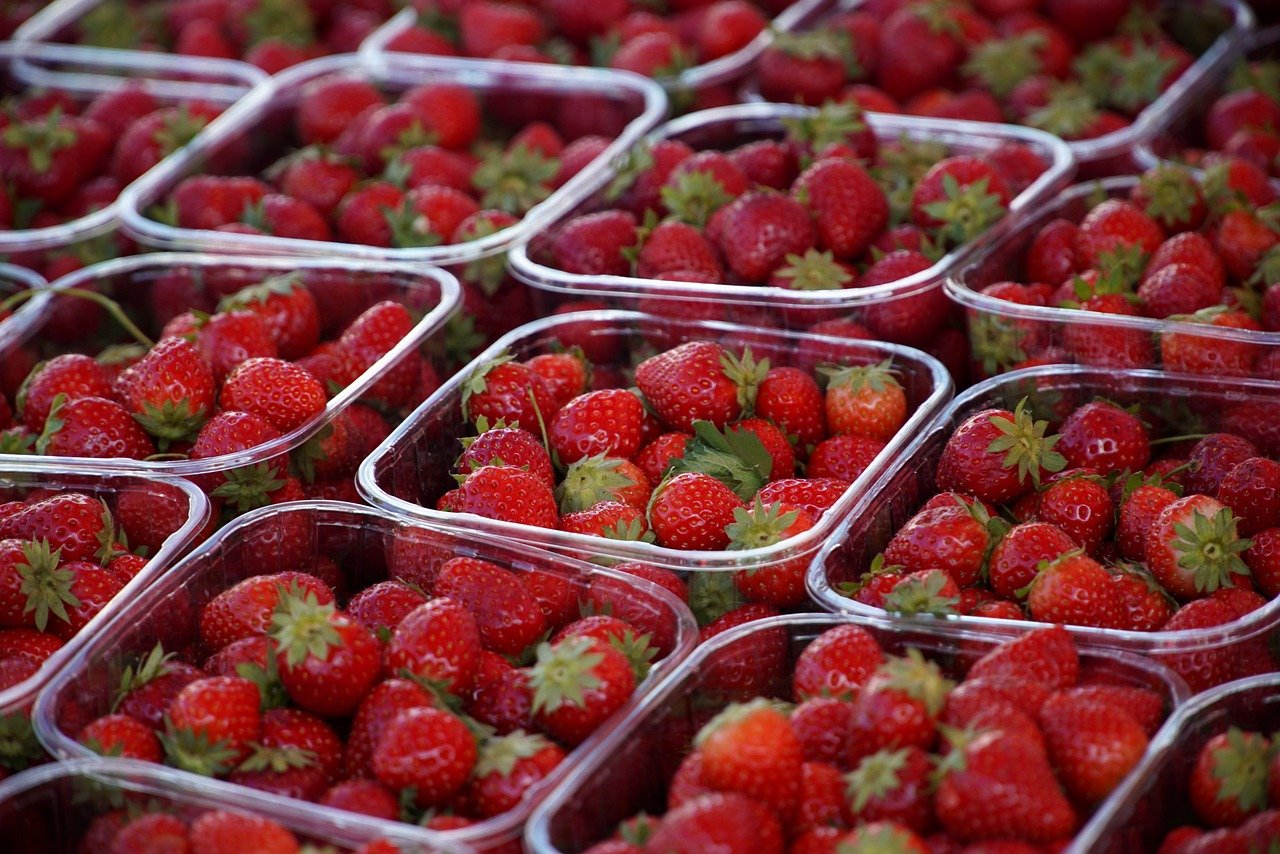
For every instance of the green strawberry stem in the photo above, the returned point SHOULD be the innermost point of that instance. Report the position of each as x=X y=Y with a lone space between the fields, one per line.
x=113 y=308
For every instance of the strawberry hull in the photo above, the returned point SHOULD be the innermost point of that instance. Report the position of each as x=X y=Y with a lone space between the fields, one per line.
x=688 y=82
x=143 y=287
x=753 y=304
x=53 y=808
x=1003 y=334
x=410 y=470
x=182 y=500
x=1181 y=405
x=1154 y=799
x=83 y=74
x=356 y=539
x=630 y=773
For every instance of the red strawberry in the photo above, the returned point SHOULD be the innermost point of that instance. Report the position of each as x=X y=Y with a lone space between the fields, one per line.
x=750 y=749
x=1193 y=547
x=1189 y=353
x=759 y=230
x=72 y=375
x=848 y=206
x=960 y=197
x=507 y=494
x=508 y=391
x=511 y=446
x=439 y=641
x=577 y=684
x=246 y=608
x=1081 y=507
x=837 y=663
x=1015 y=558
x=914 y=31
x=506 y=768
x=327 y=662
x=211 y=723
x=507 y=619
x=593 y=244
x=730 y=823
x=427 y=749
x=952 y=538
x=1101 y=435
x=1074 y=589
x=1046 y=655
x=598 y=422
x=692 y=511
x=1228 y=783
x=224 y=831
x=283 y=394
x=700 y=381
x=367 y=339
x=93 y=427
x=121 y=735
x=1251 y=489
x=997 y=455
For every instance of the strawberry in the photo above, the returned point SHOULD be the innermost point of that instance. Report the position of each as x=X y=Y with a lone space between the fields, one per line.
x=507 y=620
x=952 y=538
x=211 y=723
x=1074 y=589
x=1014 y=559
x=367 y=339
x=1249 y=489
x=960 y=197
x=750 y=749
x=700 y=381
x=170 y=391
x=593 y=244
x=507 y=494
x=718 y=822
x=677 y=248
x=565 y=373
x=837 y=663
x=93 y=427
x=577 y=684
x=993 y=454
x=865 y=401
x=121 y=735
x=224 y=831
x=283 y=394
x=1193 y=547
x=598 y=422
x=1093 y=745
x=898 y=706
x=1081 y=507
x=327 y=663
x=299 y=756
x=922 y=29
x=1212 y=458
x=791 y=399
x=1228 y=783
x=509 y=446
x=151 y=831
x=245 y=609
x=848 y=206
x=815 y=496
x=692 y=511
x=1112 y=231
x=1186 y=352
x=147 y=689
x=1104 y=436
x=228 y=338
x=77 y=526
x=72 y=375
x=759 y=230
x=427 y=749
x=508 y=391
x=1046 y=655
x=505 y=769
x=437 y=641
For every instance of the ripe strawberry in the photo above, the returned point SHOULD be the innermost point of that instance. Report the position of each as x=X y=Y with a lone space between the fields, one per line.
x=577 y=684
x=147 y=689
x=849 y=208
x=1112 y=230
x=1081 y=507
x=890 y=785
x=1229 y=780
x=170 y=391
x=865 y=401
x=508 y=621
x=152 y=831
x=427 y=749
x=1045 y=655
x=1250 y=490
x=1212 y=458
x=960 y=197
x=759 y=230
x=1189 y=353
x=837 y=663
x=1242 y=240
x=677 y=248
x=994 y=453
x=506 y=768
x=898 y=706
x=508 y=391
x=367 y=339
x=507 y=494
x=598 y=422
x=362 y=214
x=1193 y=547
x=298 y=756
x=77 y=526
x=952 y=538
x=211 y=723
x=72 y=375
x=438 y=641
x=814 y=496
x=511 y=446
x=750 y=749
x=93 y=427
x=914 y=31
x=700 y=381
x=1103 y=436
x=121 y=735
x=283 y=394
x=718 y=822
x=1192 y=249
x=1093 y=745
x=791 y=399
x=593 y=244
x=246 y=608
x=1074 y=589
x=692 y=511
x=327 y=663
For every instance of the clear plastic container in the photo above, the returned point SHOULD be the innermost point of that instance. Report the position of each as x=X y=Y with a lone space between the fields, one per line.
x=343 y=289
x=411 y=469
x=629 y=772
x=179 y=495
x=1109 y=153
x=1178 y=404
x=728 y=126
x=85 y=73
x=1181 y=126
x=49 y=809
x=253 y=134
x=726 y=69
x=355 y=538
x=1153 y=800
x=1002 y=334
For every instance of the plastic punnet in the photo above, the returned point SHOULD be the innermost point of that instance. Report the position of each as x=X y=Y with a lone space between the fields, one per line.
x=292 y=536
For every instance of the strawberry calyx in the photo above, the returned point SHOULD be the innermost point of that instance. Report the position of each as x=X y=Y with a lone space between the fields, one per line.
x=966 y=211
x=461 y=338
x=736 y=457
x=1120 y=268
x=918 y=678
x=886 y=838
x=109 y=537
x=1170 y=192
x=855 y=378
x=500 y=754
x=637 y=650
x=563 y=674
x=635 y=531
x=193 y=751
x=113 y=24
x=303 y=628
x=310 y=452
x=913 y=596
x=277 y=760
x=490 y=271
x=287 y=20
x=939 y=16
x=46 y=586
x=1068 y=114
x=19 y=747
x=1241 y=768
x=819 y=43
x=876 y=776
x=410 y=229
x=40 y=138
x=712 y=595
x=1025 y=445
x=171 y=421
x=760 y=525
x=815 y=271
x=834 y=123
x=1139 y=79
x=515 y=180
x=638 y=829
x=694 y=197
x=437 y=688
x=152 y=667
x=590 y=481
x=877 y=568
x=1001 y=64
x=270 y=689
x=1268 y=270
x=180 y=127
x=249 y=487
x=1210 y=547
x=1262 y=76
x=996 y=342
x=629 y=167
x=747 y=374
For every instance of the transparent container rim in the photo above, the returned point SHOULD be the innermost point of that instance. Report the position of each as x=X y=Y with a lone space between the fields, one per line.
x=537 y=832
x=198 y=511
x=1158 y=642
x=470 y=72
x=722 y=70
x=958 y=289
x=161 y=781
x=430 y=324
x=504 y=824
x=111 y=70
x=1061 y=166
x=803 y=543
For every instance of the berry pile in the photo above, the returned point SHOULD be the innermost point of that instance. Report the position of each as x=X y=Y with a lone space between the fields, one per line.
x=271 y=34
x=237 y=360
x=1172 y=246
x=823 y=206
x=900 y=752
x=1099 y=524
x=61 y=159
x=1078 y=70
x=64 y=556
x=441 y=693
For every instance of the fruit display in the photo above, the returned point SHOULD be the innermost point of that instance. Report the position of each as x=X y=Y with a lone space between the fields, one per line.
x=75 y=129
x=1089 y=73
x=699 y=51
x=449 y=689
x=270 y=34
x=75 y=549
x=691 y=470
x=1209 y=786
x=415 y=159
x=774 y=215
x=822 y=734
x=1168 y=269
x=1239 y=115
x=261 y=379
x=1134 y=507
x=104 y=806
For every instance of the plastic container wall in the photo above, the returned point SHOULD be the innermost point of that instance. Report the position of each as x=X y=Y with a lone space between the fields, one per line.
x=629 y=772
x=291 y=537
x=1003 y=334
x=727 y=126
x=343 y=289
x=411 y=469
x=252 y=135
x=50 y=809
x=1183 y=404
